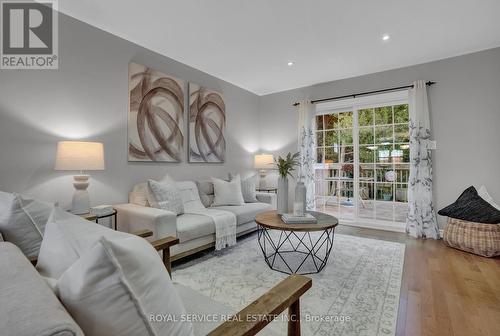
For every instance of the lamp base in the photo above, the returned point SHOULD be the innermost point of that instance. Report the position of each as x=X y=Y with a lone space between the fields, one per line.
x=262 y=181
x=81 y=200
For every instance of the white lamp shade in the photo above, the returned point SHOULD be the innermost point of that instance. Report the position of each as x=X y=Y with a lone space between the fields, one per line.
x=263 y=161
x=79 y=155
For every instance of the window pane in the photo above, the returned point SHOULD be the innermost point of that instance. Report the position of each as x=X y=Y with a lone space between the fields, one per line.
x=345 y=120
x=345 y=137
x=383 y=153
x=384 y=210
x=385 y=173
x=331 y=155
x=367 y=154
x=331 y=138
x=401 y=133
x=366 y=172
x=405 y=151
x=331 y=121
x=383 y=134
x=347 y=170
x=319 y=122
x=319 y=139
x=366 y=135
x=401 y=192
x=366 y=195
x=321 y=188
x=347 y=154
x=365 y=117
x=319 y=155
x=384 y=192
x=383 y=115
x=401 y=114
x=402 y=173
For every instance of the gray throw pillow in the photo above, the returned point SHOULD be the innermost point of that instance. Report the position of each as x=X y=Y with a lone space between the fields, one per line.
x=248 y=187
x=166 y=196
x=206 y=192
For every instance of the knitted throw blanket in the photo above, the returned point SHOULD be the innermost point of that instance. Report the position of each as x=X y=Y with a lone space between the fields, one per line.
x=225 y=226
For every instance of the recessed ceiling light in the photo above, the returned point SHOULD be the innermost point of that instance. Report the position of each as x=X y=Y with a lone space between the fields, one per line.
x=385 y=37
x=290 y=64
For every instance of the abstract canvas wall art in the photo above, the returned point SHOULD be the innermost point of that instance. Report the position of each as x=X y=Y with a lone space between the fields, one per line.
x=207 y=124
x=155 y=116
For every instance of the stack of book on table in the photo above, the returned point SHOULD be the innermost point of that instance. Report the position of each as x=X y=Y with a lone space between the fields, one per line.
x=305 y=219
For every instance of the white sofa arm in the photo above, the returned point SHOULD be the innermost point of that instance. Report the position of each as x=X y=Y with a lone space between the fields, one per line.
x=133 y=218
x=269 y=198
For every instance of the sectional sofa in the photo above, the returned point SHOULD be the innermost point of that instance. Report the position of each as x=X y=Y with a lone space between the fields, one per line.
x=195 y=232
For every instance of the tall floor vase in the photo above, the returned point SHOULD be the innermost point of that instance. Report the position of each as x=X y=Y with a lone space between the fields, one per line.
x=282 y=206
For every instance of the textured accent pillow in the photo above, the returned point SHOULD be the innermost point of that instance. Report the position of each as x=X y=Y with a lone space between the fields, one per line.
x=483 y=193
x=117 y=286
x=471 y=207
x=206 y=192
x=23 y=220
x=248 y=187
x=166 y=196
x=67 y=237
x=227 y=193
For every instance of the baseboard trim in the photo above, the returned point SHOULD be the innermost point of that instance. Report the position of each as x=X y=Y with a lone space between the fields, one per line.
x=375 y=226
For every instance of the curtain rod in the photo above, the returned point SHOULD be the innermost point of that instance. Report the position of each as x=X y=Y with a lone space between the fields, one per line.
x=365 y=93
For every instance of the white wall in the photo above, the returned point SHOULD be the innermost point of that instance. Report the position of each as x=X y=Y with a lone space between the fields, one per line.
x=465 y=117
x=87 y=99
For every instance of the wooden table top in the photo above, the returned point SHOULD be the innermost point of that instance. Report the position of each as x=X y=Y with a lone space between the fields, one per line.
x=271 y=220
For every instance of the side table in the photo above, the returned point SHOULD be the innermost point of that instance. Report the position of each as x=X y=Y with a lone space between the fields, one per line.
x=96 y=219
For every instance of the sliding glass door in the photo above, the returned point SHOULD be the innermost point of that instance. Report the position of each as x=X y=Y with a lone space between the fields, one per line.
x=335 y=163
x=362 y=164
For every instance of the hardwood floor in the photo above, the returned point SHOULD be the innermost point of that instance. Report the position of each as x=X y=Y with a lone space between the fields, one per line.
x=444 y=291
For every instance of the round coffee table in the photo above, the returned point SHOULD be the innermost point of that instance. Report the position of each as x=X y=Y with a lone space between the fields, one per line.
x=296 y=248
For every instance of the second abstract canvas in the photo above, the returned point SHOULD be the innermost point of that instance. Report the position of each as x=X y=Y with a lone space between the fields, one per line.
x=207 y=124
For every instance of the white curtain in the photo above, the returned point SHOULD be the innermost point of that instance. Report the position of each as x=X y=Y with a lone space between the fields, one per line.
x=421 y=220
x=307 y=150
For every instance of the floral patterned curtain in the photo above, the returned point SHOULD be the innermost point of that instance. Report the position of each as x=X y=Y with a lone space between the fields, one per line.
x=306 y=140
x=421 y=220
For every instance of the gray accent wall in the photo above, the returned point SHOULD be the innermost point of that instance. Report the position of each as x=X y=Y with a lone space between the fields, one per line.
x=465 y=118
x=87 y=99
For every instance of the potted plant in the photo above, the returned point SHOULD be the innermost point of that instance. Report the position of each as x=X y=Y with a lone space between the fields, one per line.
x=285 y=167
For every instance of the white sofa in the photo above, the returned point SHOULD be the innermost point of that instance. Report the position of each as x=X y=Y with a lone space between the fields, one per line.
x=195 y=232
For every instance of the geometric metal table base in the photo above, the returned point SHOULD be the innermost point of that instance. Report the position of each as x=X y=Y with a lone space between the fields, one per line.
x=295 y=251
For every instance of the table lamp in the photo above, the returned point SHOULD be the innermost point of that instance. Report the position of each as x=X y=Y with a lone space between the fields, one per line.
x=80 y=156
x=263 y=162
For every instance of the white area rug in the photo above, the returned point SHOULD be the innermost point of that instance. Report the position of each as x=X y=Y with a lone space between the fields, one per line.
x=357 y=293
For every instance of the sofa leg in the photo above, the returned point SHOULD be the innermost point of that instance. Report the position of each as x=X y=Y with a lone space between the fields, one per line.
x=294 y=319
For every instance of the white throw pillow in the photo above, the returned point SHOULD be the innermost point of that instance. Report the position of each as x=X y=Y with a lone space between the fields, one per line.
x=139 y=195
x=23 y=220
x=117 y=286
x=166 y=196
x=227 y=193
x=483 y=193
x=248 y=187
x=67 y=237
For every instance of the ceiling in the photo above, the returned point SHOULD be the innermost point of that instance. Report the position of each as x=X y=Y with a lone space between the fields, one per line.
x=249 y=42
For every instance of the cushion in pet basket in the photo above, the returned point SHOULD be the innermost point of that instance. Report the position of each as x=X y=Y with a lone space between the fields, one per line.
x=472 y=237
